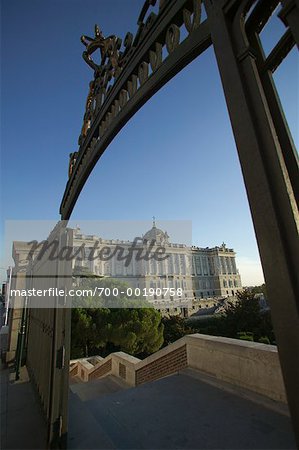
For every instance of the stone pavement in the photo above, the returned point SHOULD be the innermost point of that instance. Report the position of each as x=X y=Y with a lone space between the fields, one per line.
x=22 y=424
x=184 y=411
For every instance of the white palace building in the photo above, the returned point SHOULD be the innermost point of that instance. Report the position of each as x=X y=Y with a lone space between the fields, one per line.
x=201 y=273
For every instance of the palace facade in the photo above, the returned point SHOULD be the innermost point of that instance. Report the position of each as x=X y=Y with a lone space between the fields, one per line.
x=200 y=273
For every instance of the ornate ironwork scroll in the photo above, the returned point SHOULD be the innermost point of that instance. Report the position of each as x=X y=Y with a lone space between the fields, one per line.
x=129 y=73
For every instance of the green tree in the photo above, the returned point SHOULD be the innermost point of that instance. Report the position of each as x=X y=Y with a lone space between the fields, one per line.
x=80 y=333
x=259 y=290
x=242 y=316
x=110 y=323
x=175 y=327
x=242 y=320
x=136 y=331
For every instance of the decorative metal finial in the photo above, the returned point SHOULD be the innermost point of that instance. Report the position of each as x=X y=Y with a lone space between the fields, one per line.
x=154 y=222
x=109 y=49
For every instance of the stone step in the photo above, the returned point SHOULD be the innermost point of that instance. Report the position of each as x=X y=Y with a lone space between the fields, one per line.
x=84 y=430
x=90 y=428
x=98 y=387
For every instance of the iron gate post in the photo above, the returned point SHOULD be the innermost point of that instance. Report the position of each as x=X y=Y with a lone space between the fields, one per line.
x=269 y=189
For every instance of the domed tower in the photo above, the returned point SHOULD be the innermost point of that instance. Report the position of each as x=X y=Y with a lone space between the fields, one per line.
x=155 y=234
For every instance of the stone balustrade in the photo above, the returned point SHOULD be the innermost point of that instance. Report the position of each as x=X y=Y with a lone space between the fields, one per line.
x=248 y=365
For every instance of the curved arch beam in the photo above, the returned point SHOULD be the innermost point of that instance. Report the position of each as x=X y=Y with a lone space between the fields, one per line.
x=134 y=85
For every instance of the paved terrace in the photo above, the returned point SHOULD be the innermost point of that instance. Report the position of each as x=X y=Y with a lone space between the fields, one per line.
x=201 y=392
x=188 y=410
x=22 y=423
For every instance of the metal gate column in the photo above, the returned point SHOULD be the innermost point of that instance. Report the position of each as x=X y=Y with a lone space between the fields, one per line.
x=269 y=188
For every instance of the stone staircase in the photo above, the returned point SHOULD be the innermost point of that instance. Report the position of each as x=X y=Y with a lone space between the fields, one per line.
x=97 y=387
x=88 y=430
x=248 y=365
x=202 y=392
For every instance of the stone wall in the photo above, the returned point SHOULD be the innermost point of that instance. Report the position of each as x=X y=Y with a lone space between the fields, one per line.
x=102 y=369
x=166 y=365
x=248 y=365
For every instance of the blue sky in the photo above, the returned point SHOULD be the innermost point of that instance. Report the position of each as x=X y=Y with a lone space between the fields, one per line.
x=176 y=159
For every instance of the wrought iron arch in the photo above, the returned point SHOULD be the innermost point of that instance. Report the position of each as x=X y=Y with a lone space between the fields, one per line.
x=129 y=76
